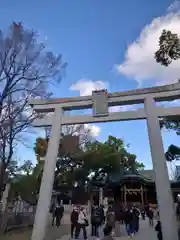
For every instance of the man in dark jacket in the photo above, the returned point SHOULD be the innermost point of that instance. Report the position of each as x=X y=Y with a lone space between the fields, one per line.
x=102 y=214
x=150 y=215
x=74 y=220
x=59 y=211
x=96 y=220
x=52 y=210
x=128 y=218
x=178 y=211
x=159 y=230
x=136 y=214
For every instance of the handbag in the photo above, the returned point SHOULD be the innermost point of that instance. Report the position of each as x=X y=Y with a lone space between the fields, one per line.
x=86 y=222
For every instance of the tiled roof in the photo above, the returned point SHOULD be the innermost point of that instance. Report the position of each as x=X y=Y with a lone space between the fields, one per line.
x=149 y=174
x=143 y=175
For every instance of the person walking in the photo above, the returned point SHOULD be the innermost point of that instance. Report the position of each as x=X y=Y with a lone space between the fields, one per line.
x=109 y=225
x=109 y=210
x=74 y=220
x=143 y=214
x=59 y=214
x=82 y=223
x=118 y=218
x=96 y=220
x=128 y=220
x=150 y=215
x=146 y=208
x=102 y=214
x=178 y=211
x=159 y=230
x=53 y=208
x=135 y=221
x=121 y=215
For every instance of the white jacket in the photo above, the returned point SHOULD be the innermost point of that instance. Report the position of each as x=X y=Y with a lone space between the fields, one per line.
x=81 y=217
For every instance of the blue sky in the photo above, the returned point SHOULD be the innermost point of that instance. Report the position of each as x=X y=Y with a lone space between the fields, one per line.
x=97 y=39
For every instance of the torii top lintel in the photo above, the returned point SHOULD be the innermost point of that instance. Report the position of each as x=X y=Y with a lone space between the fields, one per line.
x=159 y=93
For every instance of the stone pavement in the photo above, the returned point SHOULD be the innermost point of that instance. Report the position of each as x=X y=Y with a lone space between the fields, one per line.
x=52 y=233
x=145 y=233
x=63 y=233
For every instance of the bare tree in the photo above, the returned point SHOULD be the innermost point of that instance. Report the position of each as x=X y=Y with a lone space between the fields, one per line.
x=26 y=71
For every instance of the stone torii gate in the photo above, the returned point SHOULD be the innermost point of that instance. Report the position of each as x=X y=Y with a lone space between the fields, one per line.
x=99 y=102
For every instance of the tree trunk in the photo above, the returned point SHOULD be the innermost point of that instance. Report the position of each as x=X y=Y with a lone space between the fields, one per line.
x=2 y=174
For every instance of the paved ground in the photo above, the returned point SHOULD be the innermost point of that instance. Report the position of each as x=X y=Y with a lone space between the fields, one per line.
x=52 y=233
x=145 y=233
x=62 y=233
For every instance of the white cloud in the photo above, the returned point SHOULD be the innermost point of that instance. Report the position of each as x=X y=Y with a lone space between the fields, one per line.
x=175 y=103
x=85 y=87
x=115 y=109
x=121 y=108
x=81 y=130
x=125 y=108
x=139 y=60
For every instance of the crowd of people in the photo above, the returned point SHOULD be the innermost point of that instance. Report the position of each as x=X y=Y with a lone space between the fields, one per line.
x=100 y=220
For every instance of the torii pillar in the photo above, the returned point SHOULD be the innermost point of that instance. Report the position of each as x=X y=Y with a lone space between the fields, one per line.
x=163 y=188
x=42 y=211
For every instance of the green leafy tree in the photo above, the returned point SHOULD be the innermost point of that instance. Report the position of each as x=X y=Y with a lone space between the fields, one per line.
x=173 y=153
x=96 y=162
x=26 y=183
x=169 y=50
x=100 y=159
x=95 y=159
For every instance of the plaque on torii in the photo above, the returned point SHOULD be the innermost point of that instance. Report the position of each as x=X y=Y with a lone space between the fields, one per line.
x=100 y=103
